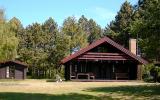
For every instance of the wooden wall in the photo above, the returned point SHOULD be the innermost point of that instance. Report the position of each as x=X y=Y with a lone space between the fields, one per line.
x=2 y=72
x=19 y=72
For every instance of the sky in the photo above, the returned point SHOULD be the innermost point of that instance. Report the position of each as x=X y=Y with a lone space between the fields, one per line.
x=31 y=11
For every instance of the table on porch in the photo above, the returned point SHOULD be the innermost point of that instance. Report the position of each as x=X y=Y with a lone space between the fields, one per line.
x=83 y=74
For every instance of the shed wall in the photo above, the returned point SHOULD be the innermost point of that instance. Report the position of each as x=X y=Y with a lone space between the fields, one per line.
x=19 y=73
x=2 y=72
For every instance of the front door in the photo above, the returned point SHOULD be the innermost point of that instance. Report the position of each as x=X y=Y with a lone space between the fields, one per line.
x=105 y=71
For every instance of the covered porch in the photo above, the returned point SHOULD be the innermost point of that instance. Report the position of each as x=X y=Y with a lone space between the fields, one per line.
x=104 y=66
x=103 y=70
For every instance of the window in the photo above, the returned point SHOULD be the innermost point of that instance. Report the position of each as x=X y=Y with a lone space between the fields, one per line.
x=12 y=71
x=7 y=72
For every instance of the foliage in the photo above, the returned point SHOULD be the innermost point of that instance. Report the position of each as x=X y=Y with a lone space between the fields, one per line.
x=91 y=28
x=146 y=25
x=95 y=31
x=36 y=44
x=120 y=27
x=60 y=51
x=8 y=41
x=151 y=73
x=74 y=31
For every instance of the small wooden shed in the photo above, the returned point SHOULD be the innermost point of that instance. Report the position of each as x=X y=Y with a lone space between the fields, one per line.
x=13 y=70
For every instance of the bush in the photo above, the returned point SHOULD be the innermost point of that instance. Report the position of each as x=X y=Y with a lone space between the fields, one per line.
x=151 y=73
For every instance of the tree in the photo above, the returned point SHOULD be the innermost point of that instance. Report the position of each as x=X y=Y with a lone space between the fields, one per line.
x=91 y=28
x=94 y=31
x=110 y=31
x=16 y=25
x=75 y=32
x=57 y=46
x=42 y=47
x=147 y=27
x=18 y=29
x=35 y=46
x=121 y=26
x=8 y=41
x=84 y=24
x=61 y=50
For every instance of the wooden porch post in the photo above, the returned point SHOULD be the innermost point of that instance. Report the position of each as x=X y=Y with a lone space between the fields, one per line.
x=67 y=71
x=139 y=72
x=70 y=70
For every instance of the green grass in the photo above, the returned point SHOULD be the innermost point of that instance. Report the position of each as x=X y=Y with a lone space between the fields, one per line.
x=42 y=90
x=139 y=91
x=37 y=96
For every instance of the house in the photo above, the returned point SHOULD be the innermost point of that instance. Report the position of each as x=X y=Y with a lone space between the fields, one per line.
x=104 y=59
x=13 y=70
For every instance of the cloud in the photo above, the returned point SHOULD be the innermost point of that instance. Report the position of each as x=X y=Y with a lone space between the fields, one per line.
x=104 y=13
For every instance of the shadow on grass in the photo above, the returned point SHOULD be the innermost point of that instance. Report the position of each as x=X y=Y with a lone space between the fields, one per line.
x=37 y=96
x=139 y=90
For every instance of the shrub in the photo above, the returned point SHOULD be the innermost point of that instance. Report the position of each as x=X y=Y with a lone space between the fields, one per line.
x=151 y=73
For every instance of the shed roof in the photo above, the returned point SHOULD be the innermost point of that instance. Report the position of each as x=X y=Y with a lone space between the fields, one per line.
x=14 y=62
x=99 y=42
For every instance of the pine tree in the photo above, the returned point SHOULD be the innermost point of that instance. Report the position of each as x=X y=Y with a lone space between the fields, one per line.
x=121 y=26
x=94 y=31
x=84 y=24
x=91 y=28
x=146 y=26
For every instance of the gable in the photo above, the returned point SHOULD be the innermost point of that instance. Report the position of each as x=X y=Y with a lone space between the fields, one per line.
x=118 y=49
x=105 y=48
x=104 y=51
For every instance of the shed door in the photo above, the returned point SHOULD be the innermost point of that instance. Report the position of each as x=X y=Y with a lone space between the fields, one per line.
x=19 y=73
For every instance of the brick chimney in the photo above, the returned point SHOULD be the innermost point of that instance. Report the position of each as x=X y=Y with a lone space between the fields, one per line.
x=133 y=46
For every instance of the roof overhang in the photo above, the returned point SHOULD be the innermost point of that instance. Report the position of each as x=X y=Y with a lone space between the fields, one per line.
x=99 y=42
x=14 y=62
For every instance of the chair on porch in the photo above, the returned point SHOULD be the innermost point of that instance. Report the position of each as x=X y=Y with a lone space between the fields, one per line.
x=73 y=75
x=92 y=75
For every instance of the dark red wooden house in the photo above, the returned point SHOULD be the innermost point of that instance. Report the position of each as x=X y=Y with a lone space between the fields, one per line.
x=104 y=59
x=13 y=70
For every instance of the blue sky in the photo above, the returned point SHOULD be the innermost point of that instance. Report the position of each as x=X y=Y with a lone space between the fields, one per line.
x=30 y=11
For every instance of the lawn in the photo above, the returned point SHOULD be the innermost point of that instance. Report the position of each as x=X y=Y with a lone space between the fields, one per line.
x=43 y=90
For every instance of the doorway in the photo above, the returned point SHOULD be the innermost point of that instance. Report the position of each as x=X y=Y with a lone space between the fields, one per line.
x=105 y=71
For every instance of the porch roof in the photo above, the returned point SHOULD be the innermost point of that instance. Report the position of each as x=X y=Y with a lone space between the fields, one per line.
x=99 y=42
